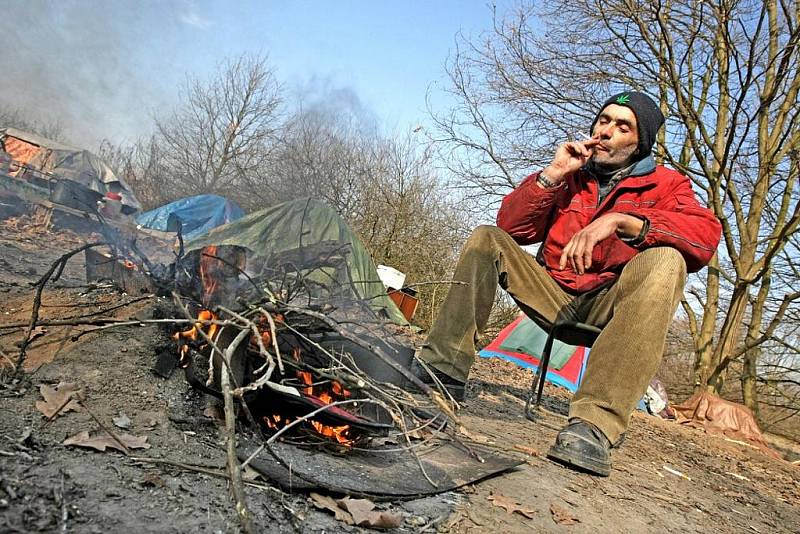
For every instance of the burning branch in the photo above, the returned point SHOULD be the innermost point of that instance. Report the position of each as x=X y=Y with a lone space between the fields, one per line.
x=259 y=337
x=358 y=383
x=235 y=471
x=274 y=338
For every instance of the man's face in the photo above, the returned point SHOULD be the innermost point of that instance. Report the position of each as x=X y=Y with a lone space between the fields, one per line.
x=618 y=135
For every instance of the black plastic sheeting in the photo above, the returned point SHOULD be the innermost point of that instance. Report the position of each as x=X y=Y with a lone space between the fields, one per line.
x=381 y=474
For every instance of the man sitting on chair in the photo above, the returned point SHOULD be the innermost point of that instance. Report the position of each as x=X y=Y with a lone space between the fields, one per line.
x=618 y=235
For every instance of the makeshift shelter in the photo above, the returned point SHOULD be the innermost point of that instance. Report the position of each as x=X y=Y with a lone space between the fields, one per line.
x=307 y=241
x=721 y=417
x=522 y=341
x=43 y=161
x=194 y=216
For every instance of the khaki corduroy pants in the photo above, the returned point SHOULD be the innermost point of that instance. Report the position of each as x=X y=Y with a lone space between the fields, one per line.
x=634 y=314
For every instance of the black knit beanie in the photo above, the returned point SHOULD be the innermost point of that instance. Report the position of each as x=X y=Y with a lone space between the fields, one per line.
x=648 y=118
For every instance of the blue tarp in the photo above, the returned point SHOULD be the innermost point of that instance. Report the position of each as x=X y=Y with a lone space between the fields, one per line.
x=197 y=215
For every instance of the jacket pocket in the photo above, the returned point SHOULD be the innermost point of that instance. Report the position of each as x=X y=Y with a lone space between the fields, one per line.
x=611 y=254
x=569 y=221
x=625 y=204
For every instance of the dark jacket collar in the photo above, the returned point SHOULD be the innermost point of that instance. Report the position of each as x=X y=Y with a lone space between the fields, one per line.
x=608 y=183
x=642 y=167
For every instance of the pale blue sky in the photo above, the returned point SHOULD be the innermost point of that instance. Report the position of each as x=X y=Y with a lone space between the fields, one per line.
x=103 y=68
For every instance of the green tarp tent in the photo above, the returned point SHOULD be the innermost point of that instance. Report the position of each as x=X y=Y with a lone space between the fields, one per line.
x=307 y=240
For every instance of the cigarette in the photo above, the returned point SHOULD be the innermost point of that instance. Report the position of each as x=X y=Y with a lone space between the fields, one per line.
x=583 y=135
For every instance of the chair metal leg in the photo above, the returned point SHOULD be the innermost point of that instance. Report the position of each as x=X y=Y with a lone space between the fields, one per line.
x=537 y=386
x=544 y=363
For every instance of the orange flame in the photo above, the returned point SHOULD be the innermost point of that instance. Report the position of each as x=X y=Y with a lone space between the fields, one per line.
x=275 y=422
x=338 y=433
x=337 y=388
x=193 y=333
x=209 y=265
x=305 y=378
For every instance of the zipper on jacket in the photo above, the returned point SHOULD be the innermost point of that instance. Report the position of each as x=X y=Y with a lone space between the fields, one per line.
x=610 y=193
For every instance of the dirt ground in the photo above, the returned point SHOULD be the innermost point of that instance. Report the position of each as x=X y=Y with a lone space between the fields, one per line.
x=666 y=478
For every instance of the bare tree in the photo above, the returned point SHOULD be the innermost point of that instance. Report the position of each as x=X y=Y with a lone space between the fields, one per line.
x=223 y=129
x=726 y=74
x=15 y=118
x=408 y=220
x=322 y=151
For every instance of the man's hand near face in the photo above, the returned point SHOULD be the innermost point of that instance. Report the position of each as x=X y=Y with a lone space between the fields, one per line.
x=569 y=158
x=577 y=253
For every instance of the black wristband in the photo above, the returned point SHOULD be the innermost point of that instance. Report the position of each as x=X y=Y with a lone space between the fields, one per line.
x=634 y=241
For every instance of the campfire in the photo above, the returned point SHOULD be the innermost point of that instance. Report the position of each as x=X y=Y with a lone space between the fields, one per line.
x=279 y=371
x=276 y=324
x=318 y=393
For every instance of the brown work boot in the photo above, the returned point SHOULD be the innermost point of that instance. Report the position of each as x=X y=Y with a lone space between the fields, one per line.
x=582 y=446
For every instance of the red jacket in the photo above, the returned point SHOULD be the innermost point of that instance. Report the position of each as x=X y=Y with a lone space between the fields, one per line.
x=664 y=197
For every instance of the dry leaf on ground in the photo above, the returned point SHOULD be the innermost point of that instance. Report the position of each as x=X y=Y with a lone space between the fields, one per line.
x=327 y=503
x=58 y=400
x=562 y=517
x=364 y=516
x=39 y=331
x=477 y=438
x=103 y=441
x=419 y=434
x=379 y=519
x=510 y=506
x=527 y=450
x=357 y=512
x=122 y=421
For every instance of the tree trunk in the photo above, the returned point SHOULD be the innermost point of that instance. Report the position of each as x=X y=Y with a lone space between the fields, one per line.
x=704 y=344
x=727 y=339
x=749 y=376
x=751 y=357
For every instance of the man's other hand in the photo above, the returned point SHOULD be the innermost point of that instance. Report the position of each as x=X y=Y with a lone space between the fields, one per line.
x=569 y=158
x=578 y=252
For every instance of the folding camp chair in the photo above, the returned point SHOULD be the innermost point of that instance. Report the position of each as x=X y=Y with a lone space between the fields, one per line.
x=584 y=333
